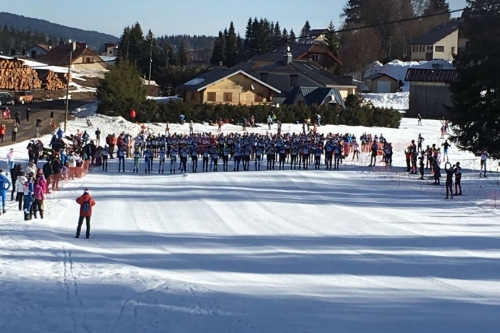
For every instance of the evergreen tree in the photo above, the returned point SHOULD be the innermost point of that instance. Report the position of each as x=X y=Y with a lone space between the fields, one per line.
x=332 y=40
x=231 y=50
x=249 y=35
x=182 y=54
x=285 y=34
x=352 y=12
x=306 y=30
x=241 y=49
x=277 y=31
x=475 y=94
x=291 y=37
x=437 y=6
x=121 y=90
x=219 y=50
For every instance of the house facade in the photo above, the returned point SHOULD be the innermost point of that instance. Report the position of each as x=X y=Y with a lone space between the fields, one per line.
x=37 y=50
x=110 y=50
x=315 y=36
x=227 y=86
x=441 y=43
x=382 y=83
x=429 y=93
x=79 y=53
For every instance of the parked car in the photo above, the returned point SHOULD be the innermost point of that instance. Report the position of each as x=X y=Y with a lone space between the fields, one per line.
x=5 y=112
x=7 y=99
x=24 y=97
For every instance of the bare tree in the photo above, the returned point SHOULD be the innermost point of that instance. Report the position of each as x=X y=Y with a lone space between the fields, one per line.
x=359 y=49
x=418 y=7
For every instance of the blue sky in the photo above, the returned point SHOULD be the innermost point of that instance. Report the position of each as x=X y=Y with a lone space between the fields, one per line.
x=184 y=16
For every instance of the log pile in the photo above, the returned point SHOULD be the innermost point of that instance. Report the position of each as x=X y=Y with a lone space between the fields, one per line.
x=15 y=75
x=51 y=80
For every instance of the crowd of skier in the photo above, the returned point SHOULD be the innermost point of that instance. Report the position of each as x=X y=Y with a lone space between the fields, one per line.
x=72 y=156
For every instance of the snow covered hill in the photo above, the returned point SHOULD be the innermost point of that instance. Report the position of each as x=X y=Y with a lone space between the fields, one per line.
x=355 y=250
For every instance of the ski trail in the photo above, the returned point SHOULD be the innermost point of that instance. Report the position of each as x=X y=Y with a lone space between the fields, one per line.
x=76 y=292
x=66 y=277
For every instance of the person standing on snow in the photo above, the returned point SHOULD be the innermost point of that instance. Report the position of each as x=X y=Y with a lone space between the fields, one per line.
x=484 y=158
x=28 y=189
x=121 y=159
x=10 y=159
x=449 y=180
x=5 y=184
x=458 y=177
x=86 y=203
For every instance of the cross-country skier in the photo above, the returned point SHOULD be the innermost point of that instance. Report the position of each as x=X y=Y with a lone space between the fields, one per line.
x=121 y=159
x=337 y=155
x=206 y=155
x=374 y=150
x=173 y=159
x=318 y=151
x=329 y=154
x=5 y=184
x=281 y=157
x=258 y=157
x=225 y=157
x=215 y=158
x=184 y=156
x=237 y=158
x=148 y=160
x=484 y=158
x=105 y=158
x=247 y=151
x=271 y=155
x=194 y=157
x=86 y=203
x=161 y=159
x=137 y=156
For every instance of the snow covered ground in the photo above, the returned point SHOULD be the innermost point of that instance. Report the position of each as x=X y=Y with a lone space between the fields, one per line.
x=355 y=250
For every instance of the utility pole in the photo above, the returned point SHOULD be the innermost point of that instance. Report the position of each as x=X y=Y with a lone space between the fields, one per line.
x=67 y=84
x=150 y=59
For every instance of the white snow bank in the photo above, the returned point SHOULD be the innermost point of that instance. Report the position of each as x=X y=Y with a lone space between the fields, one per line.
x=164 y=99
x=397 y=101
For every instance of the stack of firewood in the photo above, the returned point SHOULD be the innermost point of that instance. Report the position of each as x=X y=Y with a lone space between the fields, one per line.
x=15 y=75
x=52 y=80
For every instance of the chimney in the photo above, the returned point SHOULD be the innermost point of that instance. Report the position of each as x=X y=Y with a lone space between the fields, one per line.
x=73 y=46
x=288 y=56
x=263 y=77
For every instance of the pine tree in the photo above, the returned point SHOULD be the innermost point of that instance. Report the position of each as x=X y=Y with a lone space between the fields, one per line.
x=231 y=50
x=241 y=49
x=249 y=35
x=291 y=37
x=475 y=94
x=352 y=12
x=182 y=54
x=306 y=30
x=332 y=40
x=437 y=6
x=219 y=50
x=277 y=31
x=121 y=90
x=285 y=34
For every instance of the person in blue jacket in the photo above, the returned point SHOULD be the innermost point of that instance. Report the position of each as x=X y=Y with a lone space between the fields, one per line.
x=5 y=184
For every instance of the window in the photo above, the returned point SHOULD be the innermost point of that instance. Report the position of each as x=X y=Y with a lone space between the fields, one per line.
x=259 y=97
x=429 y=48
x=211 y=97
x=88 y=60
x=439 y=49
x=228 y=97
x=453 y=49
x=315 y=57
x=193 y=95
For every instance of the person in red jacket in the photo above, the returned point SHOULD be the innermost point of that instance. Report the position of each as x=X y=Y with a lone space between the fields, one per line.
x=132 y=115
x=86 y=203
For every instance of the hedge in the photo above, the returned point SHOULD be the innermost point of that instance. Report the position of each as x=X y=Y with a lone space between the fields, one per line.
x=355 y=113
